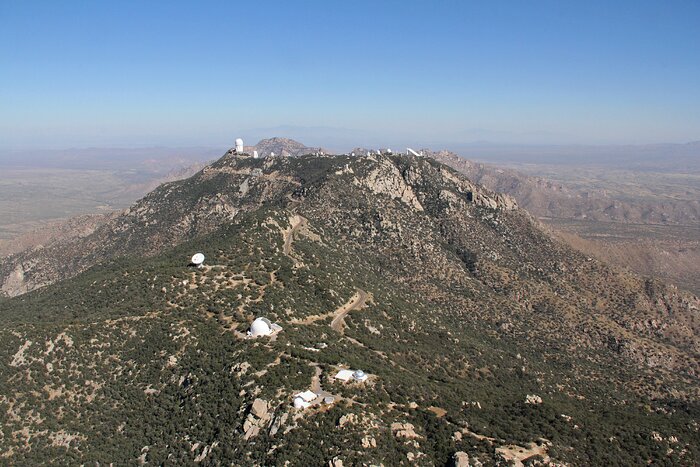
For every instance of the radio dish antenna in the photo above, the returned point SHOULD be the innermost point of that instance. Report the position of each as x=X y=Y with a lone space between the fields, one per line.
x=197 y=260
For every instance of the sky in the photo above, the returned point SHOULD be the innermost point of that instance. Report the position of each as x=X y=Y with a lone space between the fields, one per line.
x=122 y=73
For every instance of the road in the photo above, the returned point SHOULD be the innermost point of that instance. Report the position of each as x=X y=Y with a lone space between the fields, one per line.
x=356 y=303
x=296 y=223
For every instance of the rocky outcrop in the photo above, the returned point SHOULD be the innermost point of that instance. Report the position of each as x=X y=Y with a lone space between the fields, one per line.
x=347 y=419
x=386 y=179
x=258 y=418
x=533 y=399
x=404 y=430
x=259 y=408
x=278 y=422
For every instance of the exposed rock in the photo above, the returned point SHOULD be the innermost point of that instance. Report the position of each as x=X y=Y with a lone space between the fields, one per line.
x=257 y=418
x=251 y=433
x=461 y=459
x=251 y=427
x=278 y=422
x=244 y=187
x=347 y=419
x=369 y=442
x=533 y=399
x=404 y=430
x=284 y=147
x=259 y=408
x=387 y=179
x=202 y=455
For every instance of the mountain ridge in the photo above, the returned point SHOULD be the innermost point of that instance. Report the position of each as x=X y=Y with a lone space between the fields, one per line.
x=483 y=333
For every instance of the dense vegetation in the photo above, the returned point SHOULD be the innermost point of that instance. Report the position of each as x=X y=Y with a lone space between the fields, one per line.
x=472 y=309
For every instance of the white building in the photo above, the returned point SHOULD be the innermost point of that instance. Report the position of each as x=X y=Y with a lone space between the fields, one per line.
x=344 y=375
x=263 y=327
x=197 y=260
x=300 y=403
x=359 y=375
x=347 y=375
x=303 y=399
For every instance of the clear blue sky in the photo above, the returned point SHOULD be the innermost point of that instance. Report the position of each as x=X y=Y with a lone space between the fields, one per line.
x=126 y=73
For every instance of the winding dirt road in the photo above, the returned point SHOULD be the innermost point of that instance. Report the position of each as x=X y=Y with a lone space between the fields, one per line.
x=296 y=223
x=356 y=302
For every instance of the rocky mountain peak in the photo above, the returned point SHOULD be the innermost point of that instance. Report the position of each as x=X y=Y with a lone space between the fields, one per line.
x=282 y=147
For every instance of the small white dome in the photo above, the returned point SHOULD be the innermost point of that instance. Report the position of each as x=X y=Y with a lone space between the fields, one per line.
x=299 y=403
x=261 y=327
x=197 y=259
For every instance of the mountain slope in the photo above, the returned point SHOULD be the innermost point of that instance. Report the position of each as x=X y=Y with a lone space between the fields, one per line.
x=543 y=197
x=479 y=331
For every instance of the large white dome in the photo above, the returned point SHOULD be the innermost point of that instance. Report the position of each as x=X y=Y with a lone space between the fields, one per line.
x=261 y=327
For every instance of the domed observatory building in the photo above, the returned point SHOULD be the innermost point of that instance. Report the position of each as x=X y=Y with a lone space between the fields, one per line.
x=263 y=327
x=359 y=375
x=350 y=375
x=197 y=260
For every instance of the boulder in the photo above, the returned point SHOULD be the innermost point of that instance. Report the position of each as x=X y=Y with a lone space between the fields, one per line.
x=259 y=408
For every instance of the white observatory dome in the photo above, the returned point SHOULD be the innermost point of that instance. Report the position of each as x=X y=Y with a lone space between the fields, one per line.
x=239 y=145
x=261 y=327
x=198 y=259
x=359 y=375
x=299 y=403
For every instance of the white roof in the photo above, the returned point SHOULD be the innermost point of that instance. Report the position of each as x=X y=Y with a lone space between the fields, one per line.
x=261 y=327
x=300 y=403
x=359 y=375
x=198 y=258
x=308 y=396
x=344 y=375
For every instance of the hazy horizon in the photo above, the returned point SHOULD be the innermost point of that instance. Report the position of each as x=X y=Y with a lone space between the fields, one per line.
x=134 y=74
